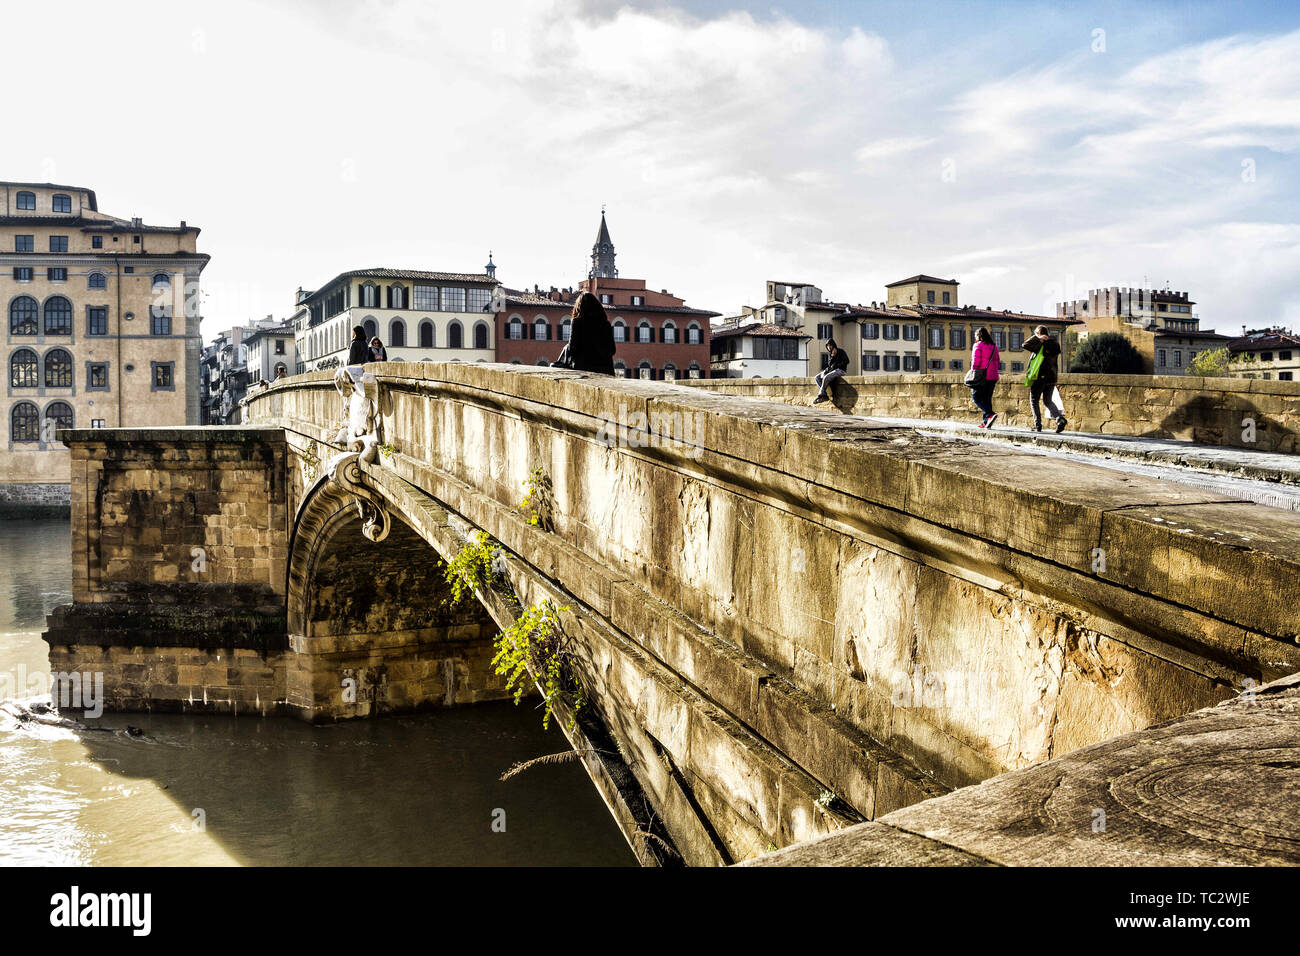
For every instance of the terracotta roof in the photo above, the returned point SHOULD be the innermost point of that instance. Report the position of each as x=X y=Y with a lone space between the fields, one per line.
x=921 y=278
x=1263 y=341
x=761 y=328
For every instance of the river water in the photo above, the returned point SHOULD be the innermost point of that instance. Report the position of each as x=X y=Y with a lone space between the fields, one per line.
x=199 y=790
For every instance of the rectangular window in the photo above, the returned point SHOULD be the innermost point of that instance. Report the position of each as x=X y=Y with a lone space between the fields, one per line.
x=425 y=298
x=620 y=333
x=97 y=423
x=936 y=337
x=870 y=362
x=640 y=300
x=824 y=330
x=643 y=333
x=129 y=270
x=956 y=338
x=136 y=240
x=26 y=200
x=760 y=348
x=57 y=274
x=1161 y=357
x=694 y=336
x=791 y=350
x=1017 y=339
x=870 y=330
x=97 y=375
x=936 y=365
x=1266 y=356
x=478 y=300
x=1178 y=358
x=58 y=243
x=97 y=320
x=515 y=331
x=911 y=333
x=279 y=346
x=97 y=242
x=162 y=376
x=24 y=243
x=891 y=330
x=606 y=299
x=453 y=300
x=1284 y=356
x=1284 y=376
x=22 y=273
x=1000 y=339
x=911 y=363
x=929 y=296
x=160 y=320
x=1017 y=366
x=947 y=298
x=62 y=203
x=955 y=365
x=891 y=363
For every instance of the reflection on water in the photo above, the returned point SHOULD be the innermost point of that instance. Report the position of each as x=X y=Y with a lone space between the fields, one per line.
x=238 y=790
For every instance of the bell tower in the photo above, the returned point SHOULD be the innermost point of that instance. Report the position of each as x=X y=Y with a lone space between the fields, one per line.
x=602 y=254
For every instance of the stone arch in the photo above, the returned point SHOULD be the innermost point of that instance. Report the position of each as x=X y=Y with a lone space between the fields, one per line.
x=372 y=613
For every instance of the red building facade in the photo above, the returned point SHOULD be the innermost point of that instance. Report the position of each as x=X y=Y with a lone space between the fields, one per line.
x=656 y=335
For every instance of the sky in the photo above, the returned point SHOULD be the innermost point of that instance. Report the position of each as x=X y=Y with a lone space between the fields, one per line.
x=1031 y=151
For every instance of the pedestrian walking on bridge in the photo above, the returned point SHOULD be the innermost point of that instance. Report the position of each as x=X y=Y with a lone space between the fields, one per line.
x=1041 y=377
x=983 y=375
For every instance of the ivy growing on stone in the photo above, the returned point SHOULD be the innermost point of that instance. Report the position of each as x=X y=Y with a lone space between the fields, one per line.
x=533 y=649
x=536 y=505
x=472 y=567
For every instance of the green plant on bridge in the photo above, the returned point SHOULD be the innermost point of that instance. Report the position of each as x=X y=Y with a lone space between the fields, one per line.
x=387 y=449
x=536 y=505
x=533 y=648
x=472 y=568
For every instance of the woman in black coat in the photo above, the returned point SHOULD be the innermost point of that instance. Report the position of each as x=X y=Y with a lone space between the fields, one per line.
x=591 y=338
x=358 y=351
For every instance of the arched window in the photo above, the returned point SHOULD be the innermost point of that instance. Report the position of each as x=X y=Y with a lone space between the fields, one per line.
x=566 y=330
x=426 y=334
x=396 y=296
x=60 y=413
x=97 y=280
x=23 y=425
x=645 y=370
x=62 y=202
x=541 y=329
x=543 y=361
x=693 y=371
x=620 y=331
x=515 y=328
x=58 y=369
x=670 y=372
x=693 y=334
x=58 y=316
x=369 y=296
x=161 y=281
x=371 y=327
x=22 y=316
x=27 y=200
x=516 y=361
x=670 y=333
x=455 y=336
x=481 y=335
x=397 y=333
x=645 y=332
x=23 y=366
x=620 y=370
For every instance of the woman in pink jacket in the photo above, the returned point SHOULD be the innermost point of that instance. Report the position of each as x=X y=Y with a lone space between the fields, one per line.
x=983 y=375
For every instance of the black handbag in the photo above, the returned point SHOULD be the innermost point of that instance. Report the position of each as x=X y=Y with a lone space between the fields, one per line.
x=976 y=376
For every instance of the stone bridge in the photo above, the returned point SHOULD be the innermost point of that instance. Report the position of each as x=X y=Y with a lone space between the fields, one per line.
x=784 y=621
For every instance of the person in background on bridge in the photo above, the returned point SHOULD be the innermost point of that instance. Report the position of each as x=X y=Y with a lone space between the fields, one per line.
x=983 y=375
x=591 y=337
x=1043 y=381
x=836 y=366
x=358 y=351
x=377 y=351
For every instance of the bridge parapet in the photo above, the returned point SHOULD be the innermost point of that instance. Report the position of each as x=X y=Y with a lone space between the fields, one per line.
x=1258 y=414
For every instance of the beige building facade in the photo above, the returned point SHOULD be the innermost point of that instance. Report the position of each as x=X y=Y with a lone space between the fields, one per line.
x=1161 y=324
x=102 y=329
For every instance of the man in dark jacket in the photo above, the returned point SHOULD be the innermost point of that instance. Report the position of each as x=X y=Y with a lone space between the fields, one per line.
x=359 y=350
x=836 y=365
x=1045 y=383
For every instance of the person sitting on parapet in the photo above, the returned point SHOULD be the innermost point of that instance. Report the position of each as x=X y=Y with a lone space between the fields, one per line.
x=837 y=364
x=377 y=351
x=358 y=351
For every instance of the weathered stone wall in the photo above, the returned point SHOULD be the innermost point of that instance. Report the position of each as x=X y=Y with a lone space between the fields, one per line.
x=178 y=552
x=19 y=498
x=1212 y=411
x=782 y=595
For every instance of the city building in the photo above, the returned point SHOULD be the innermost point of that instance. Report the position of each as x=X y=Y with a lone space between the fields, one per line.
x=656 y=335
x=801 y=306
x=1159 y=322
x=419 y=316
x=1273 y=354
x=271 y=351
x=742 y=348
x=103 y=328
x=241 y=358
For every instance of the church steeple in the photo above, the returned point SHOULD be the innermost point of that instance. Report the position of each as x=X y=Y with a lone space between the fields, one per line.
x=602 y=253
